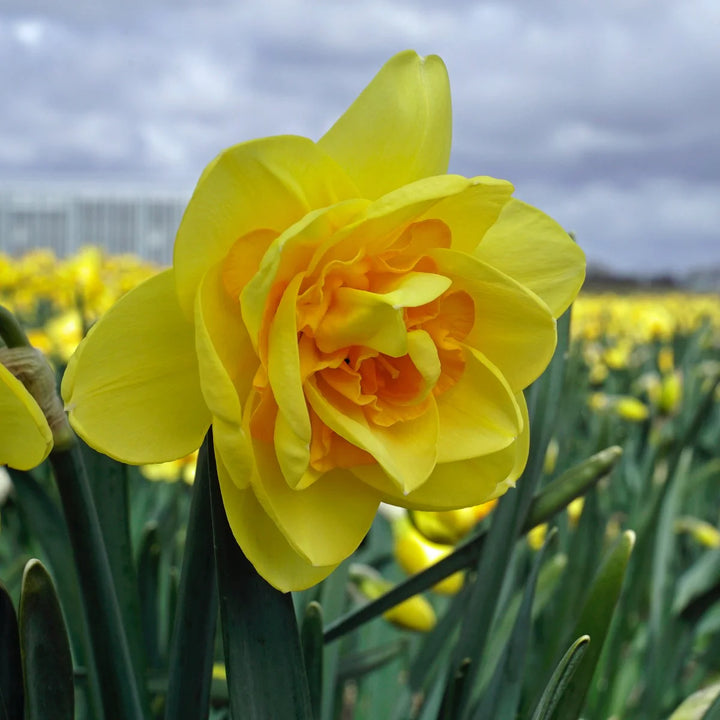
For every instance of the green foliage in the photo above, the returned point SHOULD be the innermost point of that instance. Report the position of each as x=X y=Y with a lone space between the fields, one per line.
x=582 y=628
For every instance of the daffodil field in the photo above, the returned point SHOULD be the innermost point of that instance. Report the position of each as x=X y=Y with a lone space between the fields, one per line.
x=363 y=452
x=611 y=532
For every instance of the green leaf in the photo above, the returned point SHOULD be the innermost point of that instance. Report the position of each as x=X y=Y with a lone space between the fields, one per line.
x=699 y=705
x=109 y=485
x=594 y=621
x=116 y=675
x=11 y=679
x=312 y=647
x=573 y=483
x=560 y=678
x=454 y=691
x=697 y=580
x=502 y=696
x=333 y=598
x=265 y=668
x=192 y=648
x=547 y=581
x=713 y=712
x=46 y=659
x=356 y=664
x=148 y=568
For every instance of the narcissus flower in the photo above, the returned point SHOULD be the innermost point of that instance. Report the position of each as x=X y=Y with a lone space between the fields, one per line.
x=25 y=436
x=353 y=323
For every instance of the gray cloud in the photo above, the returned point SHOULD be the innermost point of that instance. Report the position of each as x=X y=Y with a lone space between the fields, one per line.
x=604 y=114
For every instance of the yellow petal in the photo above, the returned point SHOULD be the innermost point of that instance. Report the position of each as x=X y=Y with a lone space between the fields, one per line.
x=479 y=414
x=379 y=221
x=284 y=363
x=463 y=483
x=470 y=214
x=227 y=363
x=268 y=183
x=405 y=450
x=132 y=388
x=375 y=319
x=325 y=522
x=533 y=249
x=25 y=437
x=290 y=252
x=226 y=357
x=424 y=355
x=513 y=327
x=399 y=129
x=261 y=541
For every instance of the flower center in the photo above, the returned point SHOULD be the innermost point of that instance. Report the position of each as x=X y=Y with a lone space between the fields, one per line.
x=379 y=333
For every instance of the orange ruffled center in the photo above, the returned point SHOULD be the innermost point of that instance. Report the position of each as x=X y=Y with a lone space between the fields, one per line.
x=380 y=332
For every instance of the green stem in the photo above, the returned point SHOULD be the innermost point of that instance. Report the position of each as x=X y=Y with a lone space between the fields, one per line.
x=121 y=699
x=265 y=667
x=191 y=655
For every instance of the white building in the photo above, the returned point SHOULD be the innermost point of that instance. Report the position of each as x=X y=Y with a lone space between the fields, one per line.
x=66 y=219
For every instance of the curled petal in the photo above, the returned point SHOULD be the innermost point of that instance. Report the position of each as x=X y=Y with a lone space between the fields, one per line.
x=288 y=254
x=25 y=437
x=479 y=414
x=533 y=249
x=513 y=328
x=462 y=483
x=375 y=319
x=472 y=213
x=399 y=128
x=326 y=521
x=262 y=542
x=132 y=388
x=406 y=450
x=269 y=183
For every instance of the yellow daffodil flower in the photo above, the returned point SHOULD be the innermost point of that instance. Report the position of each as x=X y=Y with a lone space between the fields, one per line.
x=354 y=324
x=25 y=436
x=415 y=553
x=415 y=613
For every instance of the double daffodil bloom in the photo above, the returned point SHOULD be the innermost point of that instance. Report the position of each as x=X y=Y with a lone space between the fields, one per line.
x=353 y=323
x=25 y=436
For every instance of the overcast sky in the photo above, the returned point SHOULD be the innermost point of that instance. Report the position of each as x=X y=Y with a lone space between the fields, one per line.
x=604 y=114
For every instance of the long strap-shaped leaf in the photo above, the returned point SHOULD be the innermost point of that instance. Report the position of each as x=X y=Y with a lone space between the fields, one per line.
x=560 y=678
x=594 y=621
x=116 y=675
x=191 y=657
x=46 y=659
x=550 y=500
x=11 y=680
x=265 y=668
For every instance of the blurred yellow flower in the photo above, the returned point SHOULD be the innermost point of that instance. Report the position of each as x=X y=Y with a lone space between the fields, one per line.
x=355 y=325
x=625 y=406
x=630 y=408
x=173 y=470
x=415 y=613
x=536 y=536
x=414 y=553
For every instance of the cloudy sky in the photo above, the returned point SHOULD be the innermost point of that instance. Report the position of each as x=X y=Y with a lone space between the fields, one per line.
x=604 y=114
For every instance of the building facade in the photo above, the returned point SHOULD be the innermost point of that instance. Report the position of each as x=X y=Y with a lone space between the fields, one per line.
x=66 y=220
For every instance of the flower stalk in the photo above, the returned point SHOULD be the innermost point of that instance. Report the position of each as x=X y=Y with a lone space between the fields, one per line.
x=120 y=693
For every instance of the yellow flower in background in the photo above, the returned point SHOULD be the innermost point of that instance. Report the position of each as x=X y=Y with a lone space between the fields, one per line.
x=415 y=613
x=355 y=325
x=25 y=436
x=414 y=553
x=625 y=406
x=173 y=470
